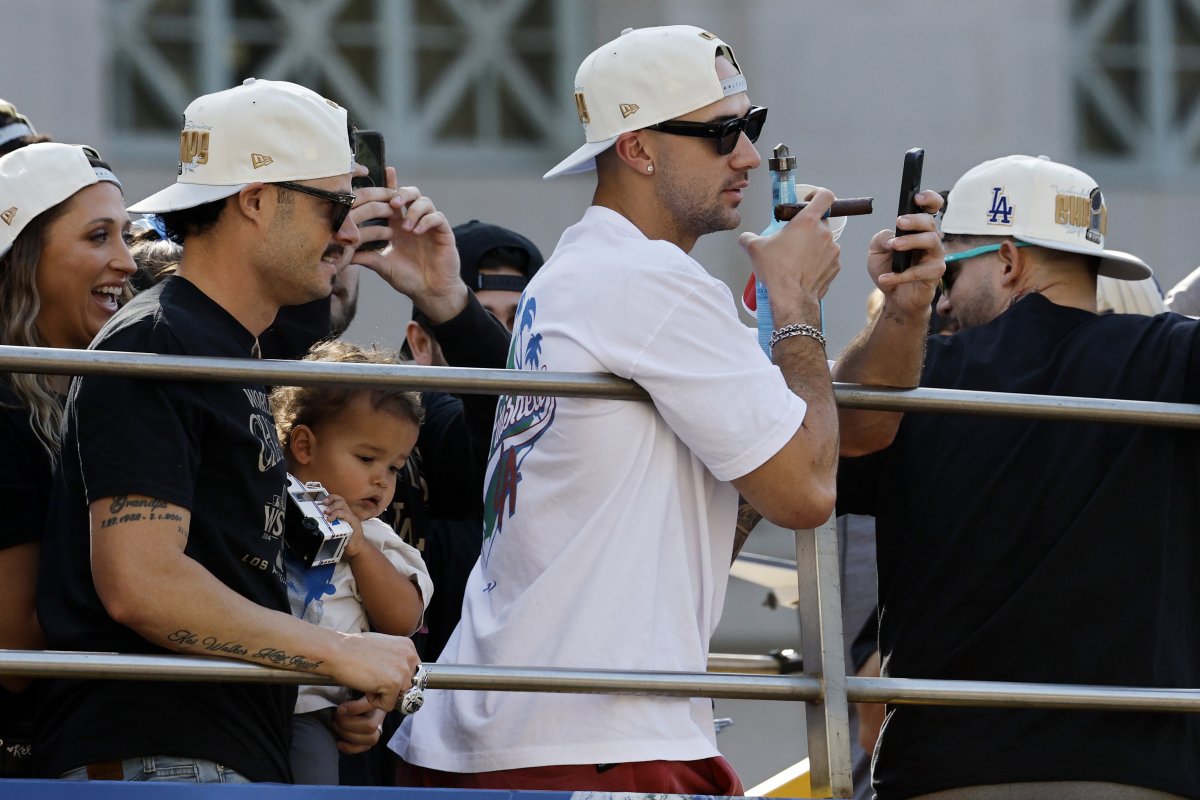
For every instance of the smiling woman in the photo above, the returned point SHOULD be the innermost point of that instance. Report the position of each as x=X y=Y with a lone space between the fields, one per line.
x=63 y=271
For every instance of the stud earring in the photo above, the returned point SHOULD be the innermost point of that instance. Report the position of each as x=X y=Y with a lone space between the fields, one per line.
x=649 y=168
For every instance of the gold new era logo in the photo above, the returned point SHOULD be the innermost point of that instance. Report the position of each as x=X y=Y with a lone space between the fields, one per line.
x=8 y=216
x=581 y=109
x=258 y=160
x=628 y=108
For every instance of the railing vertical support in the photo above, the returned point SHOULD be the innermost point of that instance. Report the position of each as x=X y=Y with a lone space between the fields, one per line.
x=828 y=718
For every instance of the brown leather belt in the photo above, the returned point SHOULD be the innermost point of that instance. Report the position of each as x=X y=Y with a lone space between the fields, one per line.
x=106 y=771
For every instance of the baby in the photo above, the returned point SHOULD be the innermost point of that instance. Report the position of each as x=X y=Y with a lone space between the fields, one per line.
x=353 y=441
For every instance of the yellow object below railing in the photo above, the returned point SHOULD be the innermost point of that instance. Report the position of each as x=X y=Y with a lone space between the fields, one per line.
x=792 y=782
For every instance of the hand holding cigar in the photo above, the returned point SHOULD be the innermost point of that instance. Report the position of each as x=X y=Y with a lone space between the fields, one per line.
x=850 y=207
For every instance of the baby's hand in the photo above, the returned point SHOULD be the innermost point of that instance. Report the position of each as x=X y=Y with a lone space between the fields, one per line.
x=335 y=508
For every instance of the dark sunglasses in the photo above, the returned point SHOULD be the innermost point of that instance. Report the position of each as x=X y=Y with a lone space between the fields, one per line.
x=342 y=203
x=726 y=133
x=953 y=265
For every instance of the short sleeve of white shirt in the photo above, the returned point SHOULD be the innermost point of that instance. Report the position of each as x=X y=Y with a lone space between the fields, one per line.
x=403 y=556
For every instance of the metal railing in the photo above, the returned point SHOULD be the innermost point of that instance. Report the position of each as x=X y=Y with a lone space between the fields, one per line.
x=824 y=686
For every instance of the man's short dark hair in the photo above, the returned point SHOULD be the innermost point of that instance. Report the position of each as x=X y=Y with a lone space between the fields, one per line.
x=191 y=221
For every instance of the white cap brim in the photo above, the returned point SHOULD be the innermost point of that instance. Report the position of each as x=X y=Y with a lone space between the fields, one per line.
x=582 y=160
x=1113 y=263
x=182 y=196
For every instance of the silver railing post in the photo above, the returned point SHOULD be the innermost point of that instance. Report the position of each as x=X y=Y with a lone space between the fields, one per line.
x=828 y=717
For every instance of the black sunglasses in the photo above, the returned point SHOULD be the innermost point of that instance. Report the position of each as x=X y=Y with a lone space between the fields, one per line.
x=342 y=203
x=726 y=133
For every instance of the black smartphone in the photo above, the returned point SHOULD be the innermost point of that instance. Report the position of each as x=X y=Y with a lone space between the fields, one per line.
x=368 y=151
x=910 y=184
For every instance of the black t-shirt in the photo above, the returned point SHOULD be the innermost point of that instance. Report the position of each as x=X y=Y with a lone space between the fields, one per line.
x=25 y=479
x=25 y=473
x=211 y=448
x=438 y=507
x=1031 y=550
x=439 y=510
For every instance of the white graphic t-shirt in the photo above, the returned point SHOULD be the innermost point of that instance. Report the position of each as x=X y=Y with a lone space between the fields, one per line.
x=608 y=524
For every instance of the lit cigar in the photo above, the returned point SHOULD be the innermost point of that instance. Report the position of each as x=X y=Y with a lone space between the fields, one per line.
x=850 y=207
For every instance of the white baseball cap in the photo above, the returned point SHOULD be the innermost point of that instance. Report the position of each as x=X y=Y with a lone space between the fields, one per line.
x=1041 y=202
x=641 y=78
x=37 y=177
x=267 y=131
x=17 y=125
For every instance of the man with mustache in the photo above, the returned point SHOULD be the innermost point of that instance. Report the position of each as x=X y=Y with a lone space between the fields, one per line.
x=166 y=533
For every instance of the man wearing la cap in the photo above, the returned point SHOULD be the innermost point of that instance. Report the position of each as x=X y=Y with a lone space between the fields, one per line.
x=608 y=526
x=181 y=485
x=1031 y=550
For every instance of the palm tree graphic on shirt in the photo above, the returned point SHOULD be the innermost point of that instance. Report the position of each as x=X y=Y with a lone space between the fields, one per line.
x=520 y=422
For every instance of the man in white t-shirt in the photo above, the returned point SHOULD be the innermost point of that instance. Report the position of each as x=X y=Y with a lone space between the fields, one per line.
x=609 y=525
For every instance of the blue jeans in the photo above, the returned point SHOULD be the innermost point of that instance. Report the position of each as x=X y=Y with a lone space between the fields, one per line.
x=179 y=769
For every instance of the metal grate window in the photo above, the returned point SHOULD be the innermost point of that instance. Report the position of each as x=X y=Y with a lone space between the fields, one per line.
x=461 y=80
x=1137 y=85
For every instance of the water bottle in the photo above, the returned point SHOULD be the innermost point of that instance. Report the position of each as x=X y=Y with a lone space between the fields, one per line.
x=783 y=190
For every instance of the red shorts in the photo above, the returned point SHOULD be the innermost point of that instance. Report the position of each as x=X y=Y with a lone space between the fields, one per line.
x=712 y=776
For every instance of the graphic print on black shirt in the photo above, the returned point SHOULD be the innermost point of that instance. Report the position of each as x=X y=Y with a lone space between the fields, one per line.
x=200 y=446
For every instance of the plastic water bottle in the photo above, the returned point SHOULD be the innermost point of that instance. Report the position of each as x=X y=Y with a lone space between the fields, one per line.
x=783 y=190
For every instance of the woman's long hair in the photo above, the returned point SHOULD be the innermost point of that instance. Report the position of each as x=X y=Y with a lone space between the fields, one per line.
x=19 y=308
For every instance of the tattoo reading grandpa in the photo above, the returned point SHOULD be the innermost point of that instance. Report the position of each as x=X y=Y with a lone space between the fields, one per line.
x=126 y=509
x=271 y=655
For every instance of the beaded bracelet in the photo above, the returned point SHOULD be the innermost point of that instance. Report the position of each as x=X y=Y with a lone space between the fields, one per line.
x=798 y=329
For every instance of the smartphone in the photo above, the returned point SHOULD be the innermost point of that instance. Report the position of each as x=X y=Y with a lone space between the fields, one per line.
x=368 y=151
x=910 y=184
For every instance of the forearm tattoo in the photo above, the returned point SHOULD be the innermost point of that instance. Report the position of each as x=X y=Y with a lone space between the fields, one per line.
x=187 y=640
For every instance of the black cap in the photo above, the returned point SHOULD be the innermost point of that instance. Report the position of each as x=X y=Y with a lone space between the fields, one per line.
x=475 y=240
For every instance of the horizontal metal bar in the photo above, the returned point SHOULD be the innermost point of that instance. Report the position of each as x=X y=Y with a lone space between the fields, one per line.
x=114 y=666
x=582 y=681
x=56 y=361
x=1004 y=404
x=897 y=691
x=1000 y=694
x=570 y=384
x=745 y=663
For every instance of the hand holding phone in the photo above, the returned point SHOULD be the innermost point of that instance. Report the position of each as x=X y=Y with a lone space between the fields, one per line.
x=368 y=151
x=910 y=184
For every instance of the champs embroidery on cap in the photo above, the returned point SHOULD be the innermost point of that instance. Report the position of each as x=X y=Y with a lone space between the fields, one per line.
x=8 y=216
x=1002 y=211
x=193 y=148
x=581 y=109
x=1086 y=213
x=628 y=109
x=258 y=160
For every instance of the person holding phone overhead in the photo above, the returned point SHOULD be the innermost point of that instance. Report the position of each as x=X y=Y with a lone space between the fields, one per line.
x=1031 y=550
x=574 y=486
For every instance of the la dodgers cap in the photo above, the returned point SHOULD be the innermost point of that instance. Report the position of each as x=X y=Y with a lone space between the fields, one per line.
x=641 y=78
x=1041 y=202
x=37 y=177
x=267 y=131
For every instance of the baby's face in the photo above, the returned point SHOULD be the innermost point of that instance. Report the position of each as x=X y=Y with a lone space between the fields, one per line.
x=358 y=453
